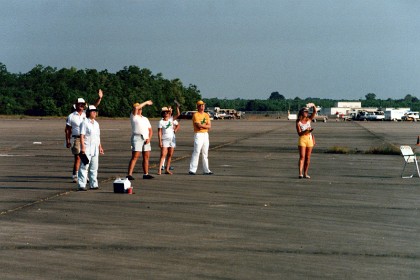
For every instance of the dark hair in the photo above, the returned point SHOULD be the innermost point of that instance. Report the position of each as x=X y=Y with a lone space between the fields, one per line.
x=89 y=111
x=300 y=114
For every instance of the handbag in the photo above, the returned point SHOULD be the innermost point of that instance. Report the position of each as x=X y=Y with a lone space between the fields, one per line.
x=84 y=158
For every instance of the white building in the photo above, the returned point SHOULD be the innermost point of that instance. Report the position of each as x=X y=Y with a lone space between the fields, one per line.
x=348 y=104
x=347 y=108
x=343 y=108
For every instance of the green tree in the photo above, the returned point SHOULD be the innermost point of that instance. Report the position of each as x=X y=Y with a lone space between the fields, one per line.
x=276 y=96
x=370 y=96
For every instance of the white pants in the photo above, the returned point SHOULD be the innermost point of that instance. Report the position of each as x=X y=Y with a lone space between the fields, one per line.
x=201 y=144
x=92 y=167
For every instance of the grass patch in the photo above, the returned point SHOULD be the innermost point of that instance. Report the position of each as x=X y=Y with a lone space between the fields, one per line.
x=341 y=150
x=384 y=149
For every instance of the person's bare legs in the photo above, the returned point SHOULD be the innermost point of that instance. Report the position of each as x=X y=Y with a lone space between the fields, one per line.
x=168 y=160
x=163 y=152
x=134 y=157
x=146 y=156
x=307 y=161
x=302 y=155
x=76 y=165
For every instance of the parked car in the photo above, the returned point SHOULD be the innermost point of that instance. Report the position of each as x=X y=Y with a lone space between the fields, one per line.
x=376 y=116
x=361 y=116
x=320 y=118
x=211 y=114
x=224 y=114
x=410 y=116
x=186 y=115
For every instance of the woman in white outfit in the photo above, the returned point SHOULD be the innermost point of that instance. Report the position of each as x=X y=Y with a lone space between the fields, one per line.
x=90 y=146
x=167 y=128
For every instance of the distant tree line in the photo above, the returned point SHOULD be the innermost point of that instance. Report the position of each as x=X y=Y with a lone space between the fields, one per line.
x=47 y=91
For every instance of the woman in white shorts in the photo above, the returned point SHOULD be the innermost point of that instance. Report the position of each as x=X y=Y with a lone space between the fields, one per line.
x=167 y=128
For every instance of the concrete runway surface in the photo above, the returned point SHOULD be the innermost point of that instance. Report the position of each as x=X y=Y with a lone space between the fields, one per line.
x=253 y=219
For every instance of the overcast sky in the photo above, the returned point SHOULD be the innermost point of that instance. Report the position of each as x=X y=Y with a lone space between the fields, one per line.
x=228 y=48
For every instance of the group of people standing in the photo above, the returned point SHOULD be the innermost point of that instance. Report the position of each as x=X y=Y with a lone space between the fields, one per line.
x=83 y=137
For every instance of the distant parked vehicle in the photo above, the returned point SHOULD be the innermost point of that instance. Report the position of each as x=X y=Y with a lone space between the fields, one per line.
x=224 y=114
x=320 y=118
x=410 y=116
x=361 y=116
x=239 y=115
x=291 y=116
x=211 y=114
x=376 y=116
x=369 y=116
x=394 y=114
x=187 y=115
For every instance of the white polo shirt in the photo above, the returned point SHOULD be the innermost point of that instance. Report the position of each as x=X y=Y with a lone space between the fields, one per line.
x=140 y=126
x=92 y=135
x=74 y=120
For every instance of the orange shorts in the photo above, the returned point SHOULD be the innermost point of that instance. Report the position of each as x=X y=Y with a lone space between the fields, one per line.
x=306 y=141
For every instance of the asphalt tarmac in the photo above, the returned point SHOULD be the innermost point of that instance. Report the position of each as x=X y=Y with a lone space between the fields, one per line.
x=253 y=219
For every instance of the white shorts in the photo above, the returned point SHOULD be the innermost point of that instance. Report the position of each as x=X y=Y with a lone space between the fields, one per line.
x=169 y=142
x=138 y=144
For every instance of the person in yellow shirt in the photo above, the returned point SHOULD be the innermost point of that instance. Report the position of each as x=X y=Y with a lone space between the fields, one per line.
x=202 y=125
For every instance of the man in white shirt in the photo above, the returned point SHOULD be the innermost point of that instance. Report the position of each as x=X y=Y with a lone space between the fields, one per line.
x=140 y=140
x=72 y=130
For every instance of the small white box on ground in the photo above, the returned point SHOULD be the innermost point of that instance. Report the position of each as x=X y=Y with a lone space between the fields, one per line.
x=121 y=185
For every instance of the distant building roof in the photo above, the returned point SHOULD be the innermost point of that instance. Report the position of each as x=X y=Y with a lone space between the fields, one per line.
x=348 y=104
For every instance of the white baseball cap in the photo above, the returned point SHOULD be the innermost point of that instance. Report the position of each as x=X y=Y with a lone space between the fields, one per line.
x=80 y=100
x=92 y=108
